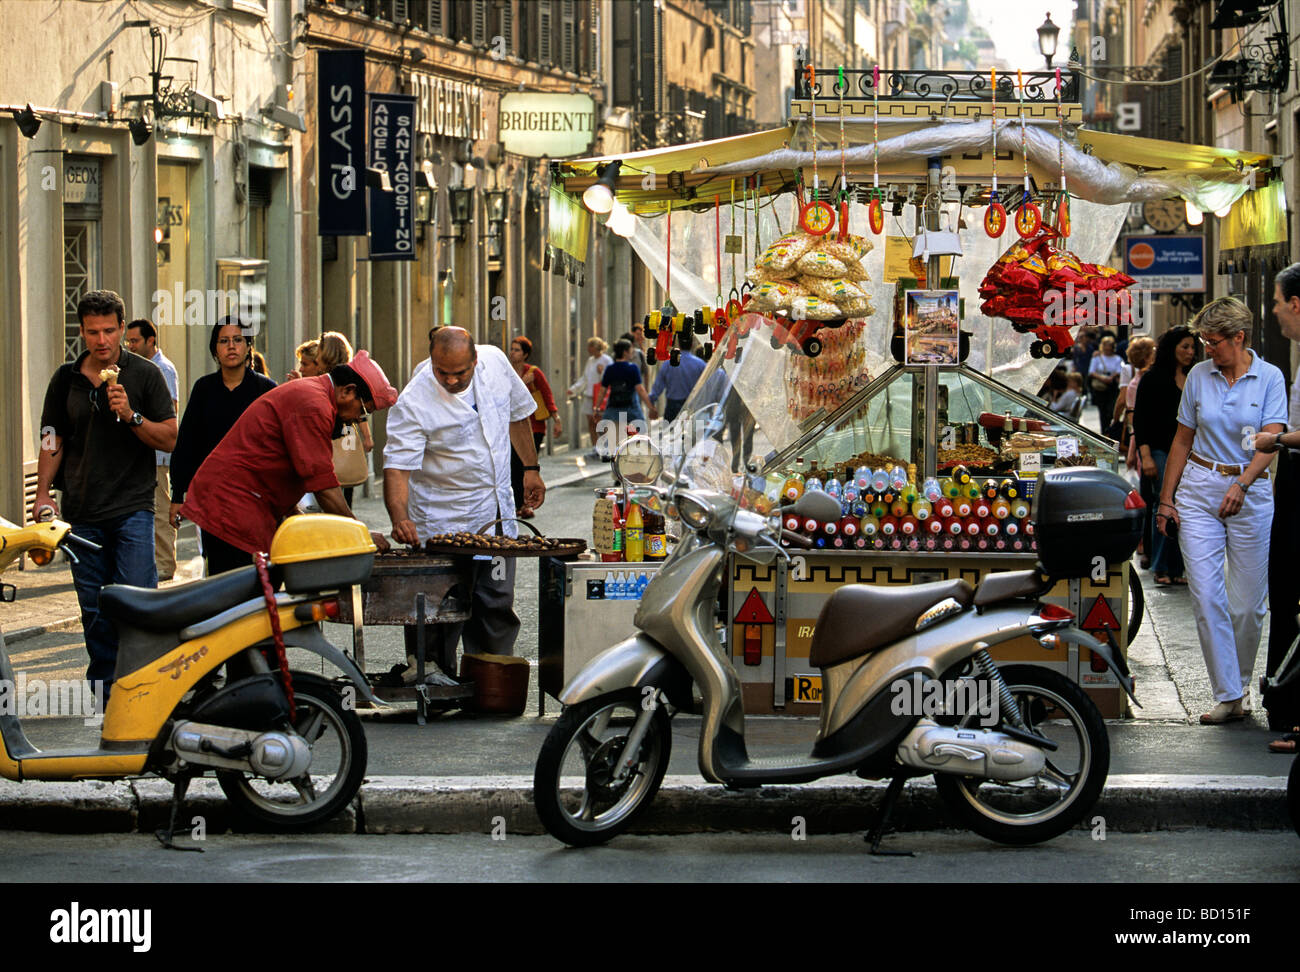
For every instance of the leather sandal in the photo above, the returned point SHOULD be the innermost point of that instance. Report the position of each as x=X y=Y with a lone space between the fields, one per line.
x=1223 y=712
x=1287 y=745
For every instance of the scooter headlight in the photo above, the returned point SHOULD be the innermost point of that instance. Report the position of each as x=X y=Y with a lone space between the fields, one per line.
x=694 y=513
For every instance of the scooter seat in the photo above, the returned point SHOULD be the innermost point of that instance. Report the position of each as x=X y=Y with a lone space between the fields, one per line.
x=174 y=608
x=860 y=618
x=1009 y=585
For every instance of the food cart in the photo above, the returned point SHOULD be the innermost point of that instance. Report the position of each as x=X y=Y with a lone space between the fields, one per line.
x=925 y=361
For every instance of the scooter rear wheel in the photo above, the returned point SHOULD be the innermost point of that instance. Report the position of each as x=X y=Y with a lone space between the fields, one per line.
x=338 y=764
x=573 y=787
x=1044 y=806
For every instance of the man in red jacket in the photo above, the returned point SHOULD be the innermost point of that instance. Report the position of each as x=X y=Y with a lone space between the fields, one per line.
x=281 y=448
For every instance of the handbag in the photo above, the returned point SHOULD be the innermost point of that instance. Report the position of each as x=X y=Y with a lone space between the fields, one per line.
x=351 y=465
x=1098 y=384
x=542 y=413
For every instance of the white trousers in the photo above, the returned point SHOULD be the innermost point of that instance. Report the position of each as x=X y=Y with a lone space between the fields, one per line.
x=1227 y=573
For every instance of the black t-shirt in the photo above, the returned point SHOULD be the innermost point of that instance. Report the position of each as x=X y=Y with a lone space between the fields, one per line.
x=211 y=412
x=621 y=378
x=107 y=471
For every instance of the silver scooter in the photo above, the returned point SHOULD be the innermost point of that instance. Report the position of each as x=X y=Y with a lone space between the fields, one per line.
x=1028 y=774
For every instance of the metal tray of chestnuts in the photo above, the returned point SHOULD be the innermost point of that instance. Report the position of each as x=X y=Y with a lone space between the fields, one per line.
x=465 y=544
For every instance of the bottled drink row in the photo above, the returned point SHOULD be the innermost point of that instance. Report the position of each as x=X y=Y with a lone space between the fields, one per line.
x=639 y=534
x=885 y=509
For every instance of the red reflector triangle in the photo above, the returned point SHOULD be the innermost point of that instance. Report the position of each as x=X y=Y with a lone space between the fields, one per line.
x=1100 y=616
x=754 y=611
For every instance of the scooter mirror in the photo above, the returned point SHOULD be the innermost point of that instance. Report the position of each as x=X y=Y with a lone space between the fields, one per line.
x=637 y=462
x=817 y=505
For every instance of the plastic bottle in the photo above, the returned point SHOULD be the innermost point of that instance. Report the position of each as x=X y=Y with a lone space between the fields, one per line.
x=880 y=481
x=830 y=528
x=618 y=586
x=950 y=487
x=634 y=535
x=981 y=508
x=858 y=508
x=921 y=509
x=793 y=523
x=900 y=507
x=611 y=593
x=1010 y=488
x=897 y=479
x=879 y=508
x=1011 y=528
x=813 y=485
x=908 y=526
x=656 y=536
x=972 y=527
x=990 y=489
x=848 y=526
x=991 y=527
x=862 y=479
x=1020 y=508
x=811 y=527
x=617 y=555
x=793 y=487
x=961 y=507
x=960 y=475
x=952 y=526
x=888 y=526
x=933 y=525
x=943 y=508
x=930 y=490
x=869 y=526
x=1001 y=508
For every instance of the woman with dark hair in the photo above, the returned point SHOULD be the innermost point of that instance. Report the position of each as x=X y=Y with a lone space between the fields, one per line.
x=216 y=402
x=534 y=379
x=1155 y=420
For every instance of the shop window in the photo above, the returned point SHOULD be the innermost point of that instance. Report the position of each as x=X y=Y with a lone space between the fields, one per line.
x=259 y=205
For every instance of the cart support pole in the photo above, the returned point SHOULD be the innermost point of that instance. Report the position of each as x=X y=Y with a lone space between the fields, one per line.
x=934 y=281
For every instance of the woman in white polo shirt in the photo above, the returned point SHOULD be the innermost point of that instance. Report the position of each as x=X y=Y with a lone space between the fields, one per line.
x=1228 y=399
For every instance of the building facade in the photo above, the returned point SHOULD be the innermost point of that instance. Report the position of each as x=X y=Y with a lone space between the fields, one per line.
x=188 y=207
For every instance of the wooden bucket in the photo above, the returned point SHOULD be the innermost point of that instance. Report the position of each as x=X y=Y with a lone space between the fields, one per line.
x=500 y=682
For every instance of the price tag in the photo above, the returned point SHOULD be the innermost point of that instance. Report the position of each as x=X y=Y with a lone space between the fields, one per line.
x=1031 y=462
x=732 y=244
x=1067 y=446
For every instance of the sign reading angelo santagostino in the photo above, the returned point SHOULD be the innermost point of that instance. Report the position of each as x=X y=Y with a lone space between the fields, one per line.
x=552 y=126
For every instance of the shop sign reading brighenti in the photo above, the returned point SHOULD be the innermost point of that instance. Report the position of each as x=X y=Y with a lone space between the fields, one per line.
x=546 y=125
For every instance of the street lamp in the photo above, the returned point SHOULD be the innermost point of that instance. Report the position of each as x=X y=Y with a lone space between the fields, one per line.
x=462 y=205
x=1047 y=35
x=599 y=197
x=621 y=222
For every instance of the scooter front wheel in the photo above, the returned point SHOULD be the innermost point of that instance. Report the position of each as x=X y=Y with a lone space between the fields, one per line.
x=338 y=764
x=1046 y=805
x=576 y=788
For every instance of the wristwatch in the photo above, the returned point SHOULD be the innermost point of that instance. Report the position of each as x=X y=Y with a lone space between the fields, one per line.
x=137 y=419
x=1242 y=485
x=532 y=468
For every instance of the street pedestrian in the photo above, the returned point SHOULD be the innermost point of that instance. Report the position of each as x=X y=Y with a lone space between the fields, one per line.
x=534 y=379
x=142 y=339
x=1155 y=420
x=1283 y=704
x=1213 y=466
x=216 y=402
x=676 y=383
x=279 y=449
x=105 y=418
x=305 y=354
x=1140 y=353
x=1103 y=380
x=624 y=394
x=447 y=470
x=586 y=387
x=351 y=449
x=636 y=336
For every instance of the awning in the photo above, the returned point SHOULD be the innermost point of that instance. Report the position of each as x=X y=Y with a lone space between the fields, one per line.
x=1154 y=153
x=1257 y=219
x=569 y=231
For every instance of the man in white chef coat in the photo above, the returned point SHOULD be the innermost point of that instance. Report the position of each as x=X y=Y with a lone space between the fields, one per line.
x=447 y=469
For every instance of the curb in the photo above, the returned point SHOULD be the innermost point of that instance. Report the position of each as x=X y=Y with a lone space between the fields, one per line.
x=36 y=630
x=684 y=805
x=579 y=476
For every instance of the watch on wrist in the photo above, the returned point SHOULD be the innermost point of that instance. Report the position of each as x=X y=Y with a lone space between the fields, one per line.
x=1242 y=486
x=532 y=468
x=137 y=419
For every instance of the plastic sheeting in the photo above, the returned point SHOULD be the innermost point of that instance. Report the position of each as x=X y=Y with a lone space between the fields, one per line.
x=1088 y=177
x=996 y=348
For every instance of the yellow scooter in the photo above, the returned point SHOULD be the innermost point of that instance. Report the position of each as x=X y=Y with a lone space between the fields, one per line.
x=201 y=682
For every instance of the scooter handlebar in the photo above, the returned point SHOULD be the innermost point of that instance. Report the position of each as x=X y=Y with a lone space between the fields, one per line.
x=71 y=537
x=796 y=539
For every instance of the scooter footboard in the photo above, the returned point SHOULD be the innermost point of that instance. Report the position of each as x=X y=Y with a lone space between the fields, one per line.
x=637 y=663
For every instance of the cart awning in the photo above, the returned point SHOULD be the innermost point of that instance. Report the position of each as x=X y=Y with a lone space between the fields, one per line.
x=1154 y=153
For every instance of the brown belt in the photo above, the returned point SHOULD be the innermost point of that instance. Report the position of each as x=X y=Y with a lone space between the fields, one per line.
x=1223 y=469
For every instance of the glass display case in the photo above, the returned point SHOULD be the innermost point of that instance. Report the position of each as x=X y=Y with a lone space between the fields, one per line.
x=977 y=423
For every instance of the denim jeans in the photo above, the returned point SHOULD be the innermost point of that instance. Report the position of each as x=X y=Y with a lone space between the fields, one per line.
x=127 y=557
x=1166 y=555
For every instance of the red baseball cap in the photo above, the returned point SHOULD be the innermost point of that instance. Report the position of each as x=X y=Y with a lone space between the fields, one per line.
x=382 y=394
